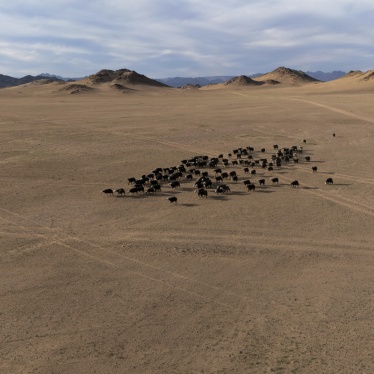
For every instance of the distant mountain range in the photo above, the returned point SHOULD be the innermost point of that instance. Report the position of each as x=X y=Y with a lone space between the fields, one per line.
x=52 y=76
x=7 y=81
x=201 y=81
x=204 y=81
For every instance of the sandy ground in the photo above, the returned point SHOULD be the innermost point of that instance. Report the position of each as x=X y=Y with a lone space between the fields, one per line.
x=277 y=280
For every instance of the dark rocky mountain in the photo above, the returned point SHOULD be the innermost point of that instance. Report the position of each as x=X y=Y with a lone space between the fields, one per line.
x=7 y=81
x=52 y=76
x=243 y=80
x=287 y=76
x=123 y=77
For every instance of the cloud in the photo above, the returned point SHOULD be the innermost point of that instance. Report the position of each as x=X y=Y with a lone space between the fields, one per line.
x=166 y=37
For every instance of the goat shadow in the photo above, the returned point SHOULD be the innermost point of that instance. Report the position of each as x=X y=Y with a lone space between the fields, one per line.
x=238 y=193
x=221 y=197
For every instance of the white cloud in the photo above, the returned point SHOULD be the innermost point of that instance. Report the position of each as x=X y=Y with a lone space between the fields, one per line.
x=202 y=37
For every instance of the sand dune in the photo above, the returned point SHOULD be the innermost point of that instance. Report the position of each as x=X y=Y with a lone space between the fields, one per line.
x=276 y=280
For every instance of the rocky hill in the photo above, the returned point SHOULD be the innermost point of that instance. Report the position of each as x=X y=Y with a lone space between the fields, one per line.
x=243 y=80
x=122 y=77
x=7 y=81
x=289 y=76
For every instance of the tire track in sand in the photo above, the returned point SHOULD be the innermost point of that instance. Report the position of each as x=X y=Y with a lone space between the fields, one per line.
x=112 y=258
x=333 y=109
x=343 y=201
x=163 y=142
x=245 y=242
x=339 y=175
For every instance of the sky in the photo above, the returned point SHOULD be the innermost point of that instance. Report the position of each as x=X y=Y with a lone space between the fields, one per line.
x=185 y=38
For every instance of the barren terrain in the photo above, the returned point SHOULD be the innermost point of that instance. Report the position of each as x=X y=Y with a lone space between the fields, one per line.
x=277 y=280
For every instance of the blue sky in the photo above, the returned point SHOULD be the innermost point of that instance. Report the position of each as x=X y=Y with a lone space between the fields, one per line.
x=165 y=38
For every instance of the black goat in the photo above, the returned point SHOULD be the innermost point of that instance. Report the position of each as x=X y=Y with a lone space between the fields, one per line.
x=295 y=184
x=329 y=181
x=120 y=191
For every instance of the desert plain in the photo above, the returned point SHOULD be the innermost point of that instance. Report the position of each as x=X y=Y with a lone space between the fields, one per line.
x=279 y=280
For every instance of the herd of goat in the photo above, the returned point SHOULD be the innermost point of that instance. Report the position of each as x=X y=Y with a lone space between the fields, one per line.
x=198 y=166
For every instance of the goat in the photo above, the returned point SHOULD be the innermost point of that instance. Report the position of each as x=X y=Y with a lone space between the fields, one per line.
x=202 y=193
x=198 y=184
x=174 y=184
x=139 y=187
x=329 y=181
x=208 y=183
x=251 y=187
x=295 y=184
x=222 y=189
x=120 y=191
x=157 y=187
